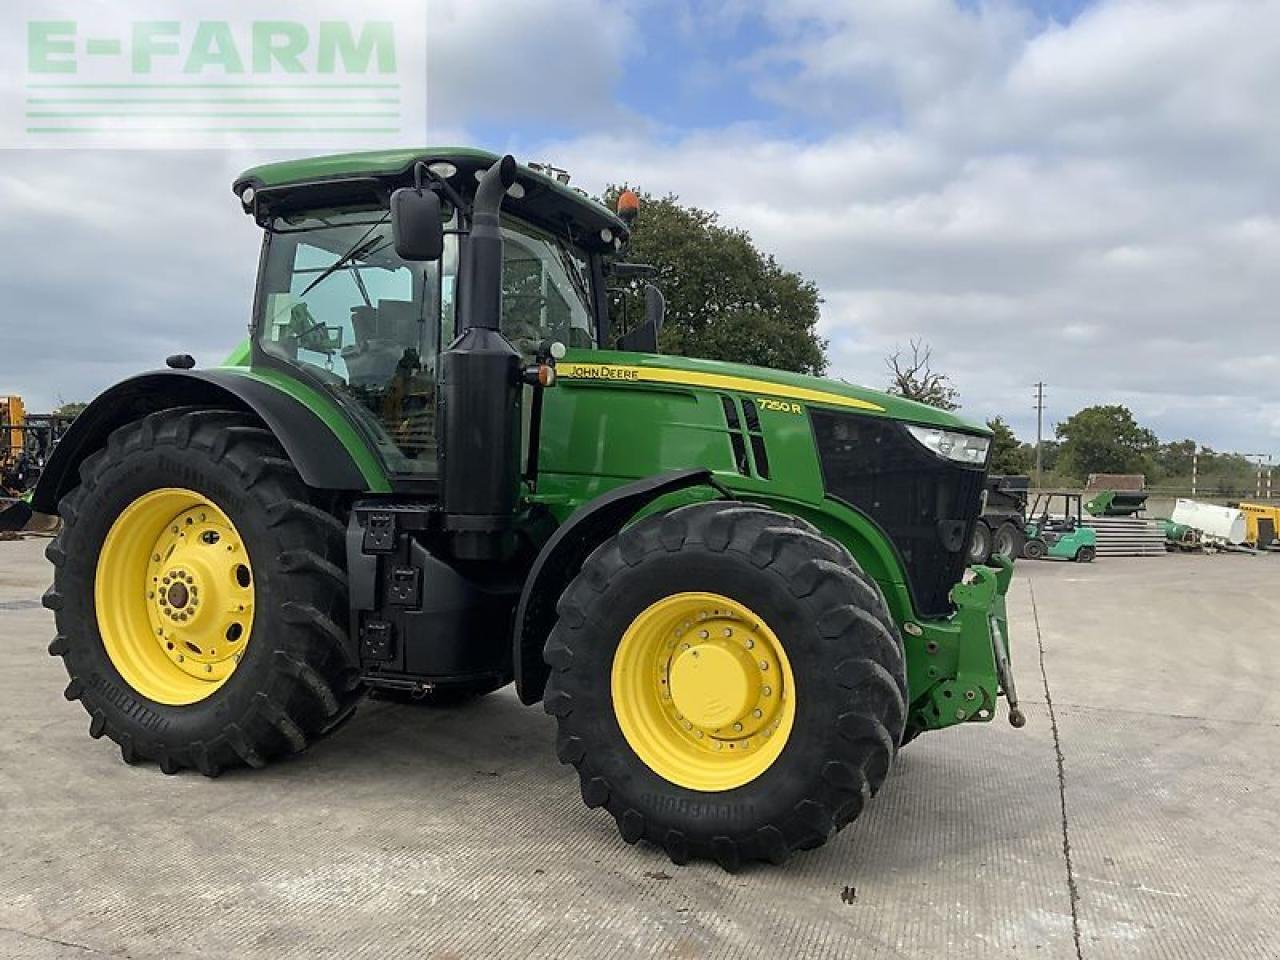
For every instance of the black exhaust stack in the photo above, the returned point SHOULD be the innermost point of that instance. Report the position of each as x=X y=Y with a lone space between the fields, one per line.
x=480 y=390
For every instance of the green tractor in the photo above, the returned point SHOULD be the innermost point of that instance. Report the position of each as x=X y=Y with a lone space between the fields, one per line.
x=1056 y=530
x=433 y=469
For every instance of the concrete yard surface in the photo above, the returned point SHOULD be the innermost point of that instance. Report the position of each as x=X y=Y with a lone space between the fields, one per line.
x=1137 y=814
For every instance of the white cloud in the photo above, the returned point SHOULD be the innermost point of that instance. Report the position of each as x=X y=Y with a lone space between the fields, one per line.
x=536 y=61
x=1093 y=204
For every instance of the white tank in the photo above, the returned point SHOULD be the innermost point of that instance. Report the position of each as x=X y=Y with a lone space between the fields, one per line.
x=1211 y=520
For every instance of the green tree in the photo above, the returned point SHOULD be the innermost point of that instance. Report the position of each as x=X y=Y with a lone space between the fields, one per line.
x=912 y=376
x=726 y=300
x=1007 y=454
x=1173 y=459
x=1104 y=439
x=70 y=409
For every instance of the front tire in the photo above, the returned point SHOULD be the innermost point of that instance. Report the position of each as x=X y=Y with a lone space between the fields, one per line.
x=210 y=651
x=787 y=660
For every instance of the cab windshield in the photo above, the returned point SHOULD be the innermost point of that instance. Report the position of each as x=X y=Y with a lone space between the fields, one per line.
x=337 y=302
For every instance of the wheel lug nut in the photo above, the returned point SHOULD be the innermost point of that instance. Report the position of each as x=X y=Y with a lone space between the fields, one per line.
x=764 y=664
x=767 y=691
x=750 y=644
x=757 y=713
x=737 y=727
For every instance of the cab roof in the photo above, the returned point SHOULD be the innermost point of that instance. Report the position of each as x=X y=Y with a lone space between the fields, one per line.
x=345 y=177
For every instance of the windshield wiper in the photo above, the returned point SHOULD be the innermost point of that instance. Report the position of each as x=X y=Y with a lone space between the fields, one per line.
x=361 y=248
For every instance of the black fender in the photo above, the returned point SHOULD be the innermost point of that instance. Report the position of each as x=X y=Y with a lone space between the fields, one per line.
x=562 y=557
x=319 y=455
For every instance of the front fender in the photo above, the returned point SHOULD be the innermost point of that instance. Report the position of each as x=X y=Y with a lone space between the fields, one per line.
x=561 y=558
x=324 y=459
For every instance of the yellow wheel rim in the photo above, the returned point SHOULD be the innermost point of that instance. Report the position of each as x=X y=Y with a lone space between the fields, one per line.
x=703 y=691
x=174 y=595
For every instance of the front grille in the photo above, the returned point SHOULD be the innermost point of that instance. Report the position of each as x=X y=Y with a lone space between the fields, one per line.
x=926 y=506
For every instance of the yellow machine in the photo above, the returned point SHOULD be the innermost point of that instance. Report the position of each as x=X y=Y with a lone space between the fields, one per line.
x=12 y=417
x=1262 y=523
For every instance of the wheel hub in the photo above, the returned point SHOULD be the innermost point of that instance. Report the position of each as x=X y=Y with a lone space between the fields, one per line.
x=203 y=594
x=703 y=691
x=174 y=596
x=711 y=685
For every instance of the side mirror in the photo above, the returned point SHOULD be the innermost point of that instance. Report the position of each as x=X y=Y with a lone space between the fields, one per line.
x=416 y=225
x=644 y=338
x=655 y=309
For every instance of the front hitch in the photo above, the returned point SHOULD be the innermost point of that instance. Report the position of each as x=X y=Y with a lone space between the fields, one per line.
x=983 y=670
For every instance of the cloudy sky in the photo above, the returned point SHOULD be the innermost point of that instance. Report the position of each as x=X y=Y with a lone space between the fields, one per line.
x=1084 y=193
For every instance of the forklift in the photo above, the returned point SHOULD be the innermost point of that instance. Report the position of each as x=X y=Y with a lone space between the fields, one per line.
x=1056 y=529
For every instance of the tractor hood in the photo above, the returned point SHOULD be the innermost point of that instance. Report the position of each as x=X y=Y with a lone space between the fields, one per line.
x=762 y=381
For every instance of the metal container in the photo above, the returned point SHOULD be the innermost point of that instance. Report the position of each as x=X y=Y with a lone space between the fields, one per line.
x=1223 y=523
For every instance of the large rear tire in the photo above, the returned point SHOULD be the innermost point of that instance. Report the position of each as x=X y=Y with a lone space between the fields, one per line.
x=198 y=595
x=727 y=682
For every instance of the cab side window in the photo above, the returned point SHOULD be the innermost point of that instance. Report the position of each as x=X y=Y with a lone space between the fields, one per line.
x=545 y=290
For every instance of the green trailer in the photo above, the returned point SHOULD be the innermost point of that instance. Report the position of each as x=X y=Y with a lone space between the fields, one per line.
x=1116 y=503
x=434 y=469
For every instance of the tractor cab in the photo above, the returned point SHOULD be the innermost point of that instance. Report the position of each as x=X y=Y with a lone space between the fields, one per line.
x=341 y=305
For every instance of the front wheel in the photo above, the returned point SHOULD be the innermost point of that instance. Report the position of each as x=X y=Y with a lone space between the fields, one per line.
x=198 y=595
x=1035 y=549
x=727 y=682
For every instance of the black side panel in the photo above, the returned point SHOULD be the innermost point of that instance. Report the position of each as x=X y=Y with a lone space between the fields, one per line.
x=927 y=506
x=561 y=559
x=416 y=617
x=319 y=456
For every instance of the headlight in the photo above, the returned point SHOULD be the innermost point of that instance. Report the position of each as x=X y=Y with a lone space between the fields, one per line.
x=961 y=447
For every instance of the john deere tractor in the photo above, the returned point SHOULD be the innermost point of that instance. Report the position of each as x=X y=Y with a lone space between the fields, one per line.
x=433 y=469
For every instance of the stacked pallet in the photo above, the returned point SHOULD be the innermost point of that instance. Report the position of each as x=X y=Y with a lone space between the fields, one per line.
x=1127 y=536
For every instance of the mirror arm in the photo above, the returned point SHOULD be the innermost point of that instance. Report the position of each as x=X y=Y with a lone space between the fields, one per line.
x=421 y=171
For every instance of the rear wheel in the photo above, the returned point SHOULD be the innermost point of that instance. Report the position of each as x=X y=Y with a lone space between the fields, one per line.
x=727 y=682
x=1086 y=554
x=1008 y=541
x=198 y=596
x=980 y=543
x=1034 y=549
